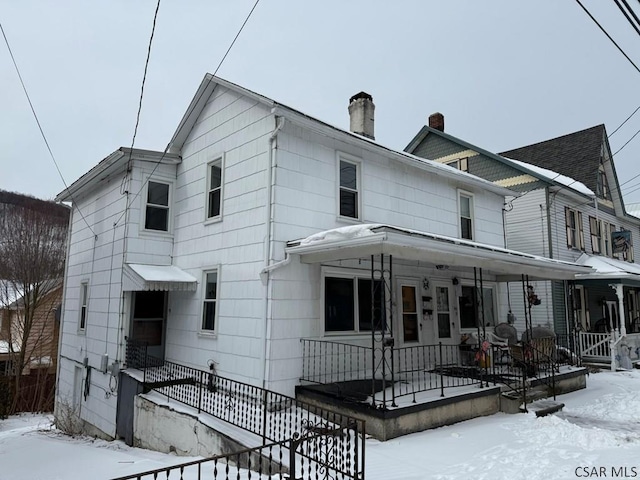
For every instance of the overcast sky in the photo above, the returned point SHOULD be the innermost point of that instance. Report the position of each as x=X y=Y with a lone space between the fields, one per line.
x=505 y=73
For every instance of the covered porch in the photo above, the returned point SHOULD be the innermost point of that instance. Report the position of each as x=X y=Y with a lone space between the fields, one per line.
x=429 y=317
x=606 y=311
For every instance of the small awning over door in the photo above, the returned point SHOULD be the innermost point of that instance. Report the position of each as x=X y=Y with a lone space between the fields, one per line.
x=157 y=277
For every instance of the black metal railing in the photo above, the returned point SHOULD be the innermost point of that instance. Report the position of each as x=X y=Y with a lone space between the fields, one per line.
x=416 y=369
x=279 y=460
x=272 y=416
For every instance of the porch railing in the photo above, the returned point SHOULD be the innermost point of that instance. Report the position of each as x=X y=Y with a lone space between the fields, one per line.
x=595 y=346
x=415 y=368
x=272 y=416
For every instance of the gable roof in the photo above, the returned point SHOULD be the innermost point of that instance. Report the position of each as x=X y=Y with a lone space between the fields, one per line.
x=209 y=83
x=504 y=159
x=576 y=155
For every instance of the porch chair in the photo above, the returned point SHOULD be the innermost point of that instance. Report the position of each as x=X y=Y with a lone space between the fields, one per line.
x=510 y=334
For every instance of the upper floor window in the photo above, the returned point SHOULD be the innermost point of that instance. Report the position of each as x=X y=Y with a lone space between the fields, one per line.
x=214 y=188
x=157 y=208
x=84 y=302
x=349 y=188
x=596 y=234
x=605 y=230
x=465 y=208
x=575 y=232
x=210 y=301
x=602 y=186
x=460 y=164
x=614 y=252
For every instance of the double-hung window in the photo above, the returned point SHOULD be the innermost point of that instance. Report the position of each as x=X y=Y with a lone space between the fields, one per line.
x=605 y=229
x=596 y=235
x=349 y=191
x=612 y=228
x=351 y=306
x=465 y=207
x=214 y=189
x=157 y=207
x=84 y=303
x=575 y=232
x=210 y=301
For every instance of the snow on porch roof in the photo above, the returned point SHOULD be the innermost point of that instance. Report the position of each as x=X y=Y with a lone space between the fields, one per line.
x=157 y=277
x=607 y=268
x=359 y=241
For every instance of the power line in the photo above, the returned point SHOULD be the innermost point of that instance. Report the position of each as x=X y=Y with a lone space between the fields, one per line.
x=608 y=36
x=164 y=153
x=44 y=137
x=626 y=15
x=627 y=119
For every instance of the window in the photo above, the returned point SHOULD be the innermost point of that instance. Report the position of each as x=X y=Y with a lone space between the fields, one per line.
x=470 y=317
x=210 y=300
x=465 y=205
x=348 y=304
x=596 y=235
x=575 y=233
x=461 y=164
x=84 y=300
x=605 y=229
x=349 y=186
x=157 y=210
x=602 y=187
x=627 y=255
x=612 y=228
x=214 y=189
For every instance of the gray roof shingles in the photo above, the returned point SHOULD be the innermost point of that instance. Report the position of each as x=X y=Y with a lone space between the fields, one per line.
x=576 y=155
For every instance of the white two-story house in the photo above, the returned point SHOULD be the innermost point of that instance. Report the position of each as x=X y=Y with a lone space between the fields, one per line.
x=260 y=226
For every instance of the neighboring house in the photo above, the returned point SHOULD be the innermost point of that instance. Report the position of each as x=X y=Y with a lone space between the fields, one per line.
x=262 y=226
x=571 y=210
x=41 y=346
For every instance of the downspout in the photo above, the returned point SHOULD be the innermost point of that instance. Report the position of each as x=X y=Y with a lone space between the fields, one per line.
x=265 y=274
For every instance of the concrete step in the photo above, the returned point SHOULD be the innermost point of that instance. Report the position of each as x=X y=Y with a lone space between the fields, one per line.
x=543 y=407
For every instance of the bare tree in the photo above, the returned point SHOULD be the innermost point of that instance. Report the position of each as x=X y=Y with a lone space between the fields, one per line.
x=32 y=255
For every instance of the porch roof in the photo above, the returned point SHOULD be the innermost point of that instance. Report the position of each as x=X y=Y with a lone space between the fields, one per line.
x=360 y=241
x=604 y=268
x=157 y=277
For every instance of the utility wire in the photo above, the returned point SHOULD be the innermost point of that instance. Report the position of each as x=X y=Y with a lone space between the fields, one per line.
x=44 y=137
x=164 y=153
x=626 y=15
x=608 y=36
x=627 y=119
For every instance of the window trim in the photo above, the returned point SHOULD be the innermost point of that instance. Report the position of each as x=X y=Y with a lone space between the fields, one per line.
x=352 y=275
x=214 y=158
x=579 y=229
x=459 y=163
x=471 y=197
x=169 y=207
x=596 y=237
x=493 y=286
x=216 y=318
x=83 y=307
x=612 y=228
x=345 y=157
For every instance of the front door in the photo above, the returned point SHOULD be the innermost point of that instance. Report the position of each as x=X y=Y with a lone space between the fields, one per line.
x=149 y=320
x=411 y=320
x=444 y=314
x=582 y=314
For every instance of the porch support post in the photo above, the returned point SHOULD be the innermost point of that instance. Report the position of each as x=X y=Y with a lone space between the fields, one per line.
x=622 y=326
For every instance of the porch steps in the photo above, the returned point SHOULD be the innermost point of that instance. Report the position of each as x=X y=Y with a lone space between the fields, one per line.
x=543 y=407
x=513 y=401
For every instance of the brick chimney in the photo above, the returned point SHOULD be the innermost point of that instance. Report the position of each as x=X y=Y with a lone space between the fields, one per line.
x=436 y=121
x=361 y=113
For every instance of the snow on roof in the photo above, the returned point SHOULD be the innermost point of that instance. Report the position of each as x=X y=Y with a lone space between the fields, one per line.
x=556 y=177
x=633 y=209
x=4 y=347
x=341 y=233
x=609 y=267
x=359 y=231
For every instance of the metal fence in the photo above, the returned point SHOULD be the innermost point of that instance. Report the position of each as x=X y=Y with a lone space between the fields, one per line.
x=413 y=369
x=273 y=416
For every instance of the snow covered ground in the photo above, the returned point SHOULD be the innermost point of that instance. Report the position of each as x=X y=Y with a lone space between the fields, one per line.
x=599 y=429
